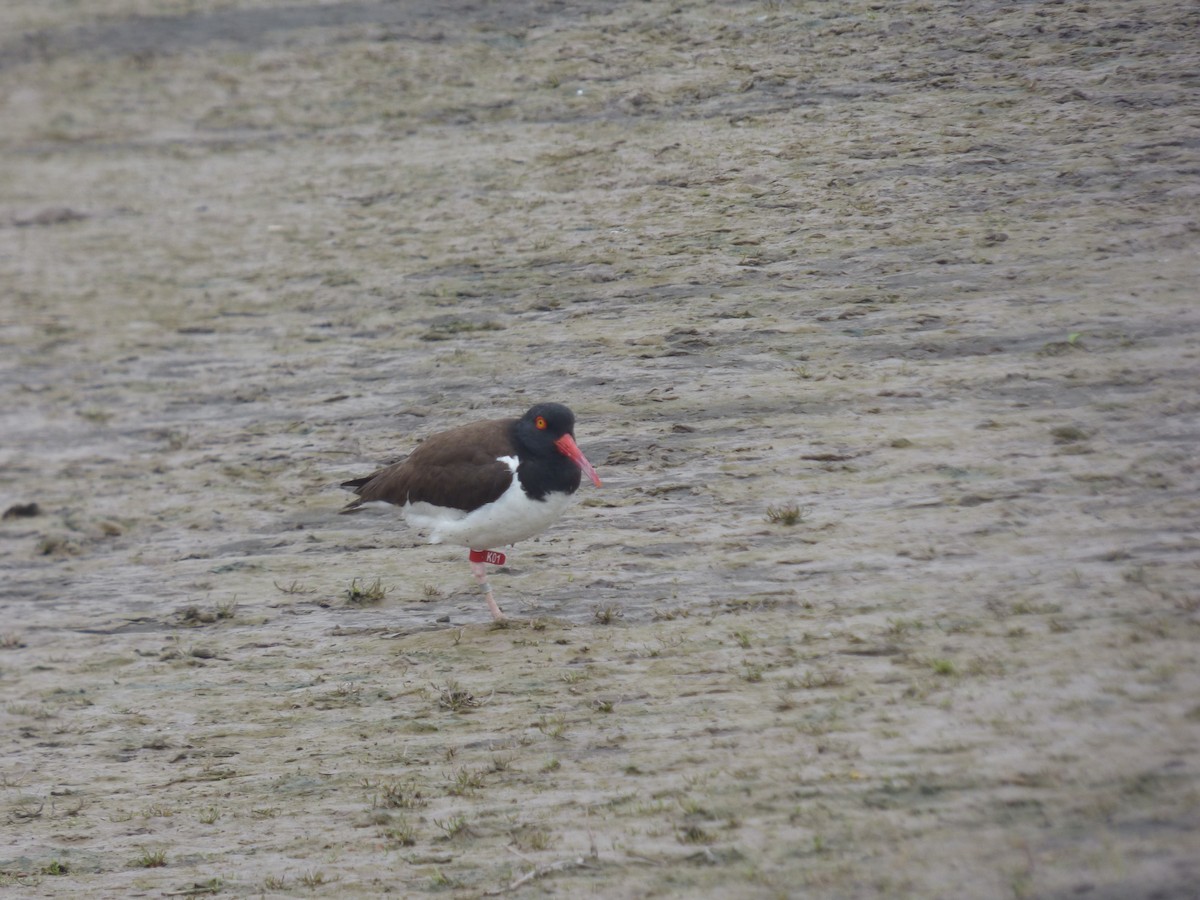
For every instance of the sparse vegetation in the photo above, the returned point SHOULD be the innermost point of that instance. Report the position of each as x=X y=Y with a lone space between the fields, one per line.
x=194 y=615
x=313 y=878
x=453 y=828
x=151 y=859
x=296 y=587
x=363 y=594
x=1068 y=434
x=532 y=838
x=784 y=514
x=25 y=809
x=944 y=667
x=444 y=331
x=454 y=697
x=607 y=615
x=440 y=881
x=553 y=726
x=501 y=762
x=400 y=795
x=900 y=628
x=822 y=678
x=401 y=833
x=694 y=834
x=466 y=781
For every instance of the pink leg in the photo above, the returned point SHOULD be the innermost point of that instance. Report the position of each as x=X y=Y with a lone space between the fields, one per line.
x=479 y=570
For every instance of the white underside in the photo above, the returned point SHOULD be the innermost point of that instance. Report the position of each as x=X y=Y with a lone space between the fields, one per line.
x=513 y=517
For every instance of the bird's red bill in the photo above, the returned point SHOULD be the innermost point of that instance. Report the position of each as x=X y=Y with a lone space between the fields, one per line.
x=567 y=447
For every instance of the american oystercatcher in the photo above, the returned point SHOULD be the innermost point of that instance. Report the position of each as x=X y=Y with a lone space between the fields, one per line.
x=485 y=485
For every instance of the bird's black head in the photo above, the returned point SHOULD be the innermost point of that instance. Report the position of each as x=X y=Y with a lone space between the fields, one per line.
x=551 y=459
x=546 y=423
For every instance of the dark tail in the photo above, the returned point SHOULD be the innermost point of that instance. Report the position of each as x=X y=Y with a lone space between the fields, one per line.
x=356 y=485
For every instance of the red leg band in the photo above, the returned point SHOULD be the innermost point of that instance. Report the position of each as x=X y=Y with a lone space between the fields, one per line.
x=495 y=557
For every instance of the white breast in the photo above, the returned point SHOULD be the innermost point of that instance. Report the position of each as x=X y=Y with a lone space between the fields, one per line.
x=511 y=518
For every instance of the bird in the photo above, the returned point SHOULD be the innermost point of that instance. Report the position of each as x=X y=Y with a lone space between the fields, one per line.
x=485 y=485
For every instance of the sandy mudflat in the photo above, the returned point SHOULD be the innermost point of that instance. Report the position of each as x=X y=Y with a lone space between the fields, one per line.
x=924 y=274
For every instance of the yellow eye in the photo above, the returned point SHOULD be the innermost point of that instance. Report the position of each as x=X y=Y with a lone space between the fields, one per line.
x=540 y=423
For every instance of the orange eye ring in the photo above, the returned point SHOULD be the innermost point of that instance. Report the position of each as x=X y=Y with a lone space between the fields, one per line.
x=540 y=423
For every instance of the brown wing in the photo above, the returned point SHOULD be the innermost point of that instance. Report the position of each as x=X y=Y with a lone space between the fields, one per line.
x=459 y=469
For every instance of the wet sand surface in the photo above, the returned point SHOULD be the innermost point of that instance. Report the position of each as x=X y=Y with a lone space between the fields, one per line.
x=880 y=322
